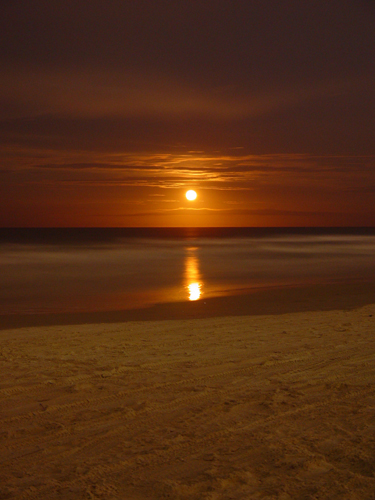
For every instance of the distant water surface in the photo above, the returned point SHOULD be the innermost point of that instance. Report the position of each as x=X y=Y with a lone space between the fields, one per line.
x=73 y=270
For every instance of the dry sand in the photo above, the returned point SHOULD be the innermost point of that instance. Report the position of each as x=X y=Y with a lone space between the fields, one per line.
x=239 y=407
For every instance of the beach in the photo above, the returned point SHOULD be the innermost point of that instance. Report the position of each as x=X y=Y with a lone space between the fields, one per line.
x=272 y=400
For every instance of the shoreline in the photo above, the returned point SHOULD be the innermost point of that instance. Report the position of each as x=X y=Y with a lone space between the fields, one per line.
x=268 y=301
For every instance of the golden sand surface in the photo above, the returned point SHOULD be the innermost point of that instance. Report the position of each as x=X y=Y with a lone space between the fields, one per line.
x=277 y=406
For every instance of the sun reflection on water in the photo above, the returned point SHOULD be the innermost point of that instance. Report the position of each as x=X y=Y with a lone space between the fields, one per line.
x=193 y=281
x=194 y=291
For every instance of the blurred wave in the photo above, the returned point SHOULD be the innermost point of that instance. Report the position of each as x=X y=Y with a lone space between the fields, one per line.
x=128 y=270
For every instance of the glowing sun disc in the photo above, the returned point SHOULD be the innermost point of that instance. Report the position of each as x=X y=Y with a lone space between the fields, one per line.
x=191 y=195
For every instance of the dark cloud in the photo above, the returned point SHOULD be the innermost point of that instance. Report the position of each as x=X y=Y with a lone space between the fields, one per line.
x=212 y=57
x=251 y=38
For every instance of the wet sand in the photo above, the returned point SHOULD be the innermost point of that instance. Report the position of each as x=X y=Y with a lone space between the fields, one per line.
x=262 y=301
x=268 y=398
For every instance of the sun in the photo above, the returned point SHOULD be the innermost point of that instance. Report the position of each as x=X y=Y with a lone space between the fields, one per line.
x=191 y=195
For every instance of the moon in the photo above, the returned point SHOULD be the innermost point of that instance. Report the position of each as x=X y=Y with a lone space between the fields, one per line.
x=191 y=195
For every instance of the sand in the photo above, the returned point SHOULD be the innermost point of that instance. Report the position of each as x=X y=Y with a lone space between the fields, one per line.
x=277 y=406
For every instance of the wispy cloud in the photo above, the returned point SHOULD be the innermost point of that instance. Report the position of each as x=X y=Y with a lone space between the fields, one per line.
x=234 y=212
x=175 y=170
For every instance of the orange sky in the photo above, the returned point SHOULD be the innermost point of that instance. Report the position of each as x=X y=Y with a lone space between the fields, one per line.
x=110 y=112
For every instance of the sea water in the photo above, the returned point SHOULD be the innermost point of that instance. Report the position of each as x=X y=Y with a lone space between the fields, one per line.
x=83 y=270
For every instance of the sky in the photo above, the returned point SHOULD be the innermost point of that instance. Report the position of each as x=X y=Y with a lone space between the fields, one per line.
x=111 y=110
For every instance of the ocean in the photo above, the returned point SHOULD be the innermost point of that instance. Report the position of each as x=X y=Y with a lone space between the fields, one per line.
x=103 y=269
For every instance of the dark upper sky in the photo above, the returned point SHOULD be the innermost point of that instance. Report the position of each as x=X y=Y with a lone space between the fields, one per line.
x=111 y=110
